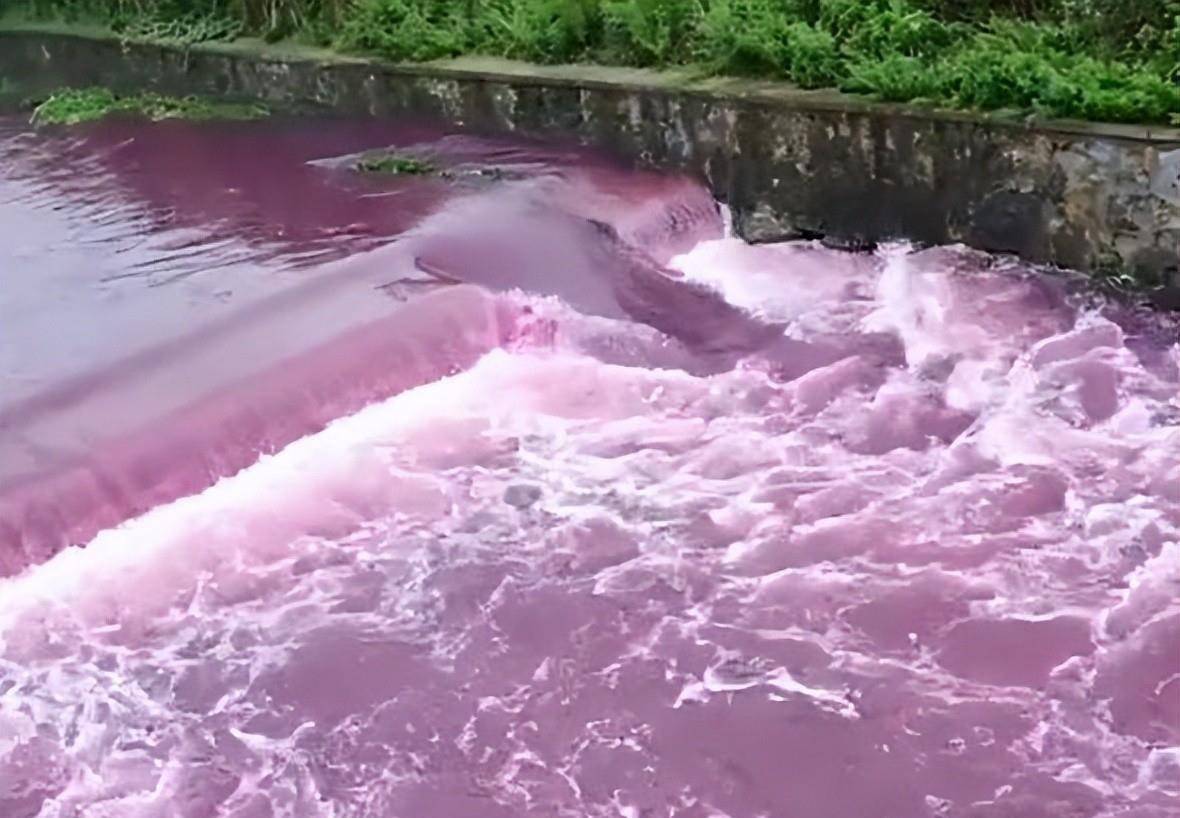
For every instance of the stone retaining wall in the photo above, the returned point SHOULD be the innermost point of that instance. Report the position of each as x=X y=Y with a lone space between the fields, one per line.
x=788 y=162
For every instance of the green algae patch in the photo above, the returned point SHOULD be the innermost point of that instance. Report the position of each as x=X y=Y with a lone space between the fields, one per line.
x=394 y=164
x=71 y=106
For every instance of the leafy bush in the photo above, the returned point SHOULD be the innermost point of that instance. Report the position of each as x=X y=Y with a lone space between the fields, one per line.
x=883 y=28
x=895 y=78
x=196 y=20
x=813 y=57
x=546 y=31
x=1122 y=26
x=749 y=37
x=404 y=29
x=1018 y=66
x=649 y=32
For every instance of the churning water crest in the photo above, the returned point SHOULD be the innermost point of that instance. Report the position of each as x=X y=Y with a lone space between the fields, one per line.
x=541 y=496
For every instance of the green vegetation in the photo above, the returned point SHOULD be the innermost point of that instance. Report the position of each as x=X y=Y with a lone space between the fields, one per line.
x=399 y=164
x=193 y=21
x=1116 y=60
x=71 y=106
x=394 y=164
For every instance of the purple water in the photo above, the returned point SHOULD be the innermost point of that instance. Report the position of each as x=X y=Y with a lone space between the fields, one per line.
x=541 y=497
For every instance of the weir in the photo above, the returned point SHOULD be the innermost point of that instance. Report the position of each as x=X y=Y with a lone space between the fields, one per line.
x=523 y=486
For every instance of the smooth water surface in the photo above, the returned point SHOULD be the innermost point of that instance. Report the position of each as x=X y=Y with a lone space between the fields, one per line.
x=539 y=496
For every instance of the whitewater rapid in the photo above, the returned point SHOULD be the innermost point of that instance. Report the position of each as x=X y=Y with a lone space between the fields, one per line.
x=891 y=534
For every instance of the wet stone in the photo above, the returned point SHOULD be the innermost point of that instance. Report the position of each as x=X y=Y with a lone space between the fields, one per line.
x=522 y=495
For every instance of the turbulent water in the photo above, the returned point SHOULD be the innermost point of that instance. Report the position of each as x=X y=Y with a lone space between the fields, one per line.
x=538 y=495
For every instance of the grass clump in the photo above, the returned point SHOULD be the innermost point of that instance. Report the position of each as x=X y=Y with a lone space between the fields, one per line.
x=1115 y=60
x=75 y=105
x=394 y=164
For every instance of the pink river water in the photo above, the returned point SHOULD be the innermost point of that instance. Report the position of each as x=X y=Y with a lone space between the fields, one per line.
x=541 y=497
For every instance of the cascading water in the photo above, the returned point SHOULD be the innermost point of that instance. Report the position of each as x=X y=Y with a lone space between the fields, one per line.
x=545 y=498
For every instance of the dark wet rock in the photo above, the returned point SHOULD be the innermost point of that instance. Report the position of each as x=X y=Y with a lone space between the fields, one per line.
x=1166 y=298
x=851 y=244
x=522 y=495
x=1011 y=222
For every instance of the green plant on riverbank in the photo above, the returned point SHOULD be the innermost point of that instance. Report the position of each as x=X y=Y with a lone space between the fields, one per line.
x=1113 y=60
x=74 y=105
x=191 y=21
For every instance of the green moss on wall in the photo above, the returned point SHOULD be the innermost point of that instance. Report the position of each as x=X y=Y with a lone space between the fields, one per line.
x=71 y=106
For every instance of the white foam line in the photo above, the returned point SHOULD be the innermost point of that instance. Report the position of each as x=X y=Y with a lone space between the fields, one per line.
x=79 y=573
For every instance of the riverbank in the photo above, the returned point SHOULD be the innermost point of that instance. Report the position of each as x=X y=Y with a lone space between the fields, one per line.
x=1088 y=59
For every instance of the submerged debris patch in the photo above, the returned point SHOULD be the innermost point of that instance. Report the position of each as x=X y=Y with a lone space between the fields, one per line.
x=394 y=164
